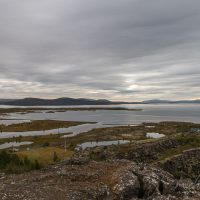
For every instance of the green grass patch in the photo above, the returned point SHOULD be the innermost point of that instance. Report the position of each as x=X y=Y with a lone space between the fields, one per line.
x=187 y=142
x=12 y=163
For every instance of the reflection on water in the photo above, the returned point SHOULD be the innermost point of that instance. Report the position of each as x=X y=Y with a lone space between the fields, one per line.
x=149 y=113
x=101 y=143
x=154 y=135
x=13 y=144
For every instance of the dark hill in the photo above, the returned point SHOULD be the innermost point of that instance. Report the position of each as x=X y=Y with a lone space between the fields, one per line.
x=81 y=101
x=56 y=102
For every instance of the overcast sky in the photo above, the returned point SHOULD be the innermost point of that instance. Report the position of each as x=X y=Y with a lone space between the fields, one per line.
x=127 y=50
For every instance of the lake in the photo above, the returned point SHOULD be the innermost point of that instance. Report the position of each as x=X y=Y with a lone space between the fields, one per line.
x=85 y=145
x=150 y=113
x=105 y=118
x=14 y=144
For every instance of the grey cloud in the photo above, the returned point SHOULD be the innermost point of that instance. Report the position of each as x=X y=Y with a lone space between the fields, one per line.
x=116 y=49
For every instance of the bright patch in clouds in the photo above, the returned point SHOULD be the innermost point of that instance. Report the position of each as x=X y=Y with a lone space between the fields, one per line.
x=118 y=49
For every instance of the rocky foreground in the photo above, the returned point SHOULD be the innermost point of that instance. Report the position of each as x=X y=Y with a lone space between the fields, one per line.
x=81 y=179
x=165 y=169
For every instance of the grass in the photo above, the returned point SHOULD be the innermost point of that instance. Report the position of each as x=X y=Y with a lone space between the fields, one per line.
x=27 y=160
x=137 y=135
x=12 y=163
x=131 y=133
x=38 y=125
x=187 y=141
x=100 y=134
x=45 y=155
x=48 y=149
x=110 y=133
x=37 y=140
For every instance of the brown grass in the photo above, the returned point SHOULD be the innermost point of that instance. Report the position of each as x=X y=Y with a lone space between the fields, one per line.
x=45 y=155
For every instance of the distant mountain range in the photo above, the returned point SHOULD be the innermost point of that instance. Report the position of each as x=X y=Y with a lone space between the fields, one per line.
x=80 y=101
x=55 y=102
x=158 y=101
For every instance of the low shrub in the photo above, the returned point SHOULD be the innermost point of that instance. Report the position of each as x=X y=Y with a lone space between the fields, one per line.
x=11 y=163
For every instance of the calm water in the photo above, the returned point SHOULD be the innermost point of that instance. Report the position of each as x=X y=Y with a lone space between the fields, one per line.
x=15 y=121
x=150 y=113
x=101 y=143
x=154 y=135
x=73 y=130
x=103 y=118
x=13 y=144
x=107 y=118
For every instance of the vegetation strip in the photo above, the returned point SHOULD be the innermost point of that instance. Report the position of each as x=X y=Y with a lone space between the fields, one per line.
x=4 y=111
x=38 y=125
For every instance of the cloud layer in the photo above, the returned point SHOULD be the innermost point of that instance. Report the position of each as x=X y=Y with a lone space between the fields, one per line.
x=117 y=49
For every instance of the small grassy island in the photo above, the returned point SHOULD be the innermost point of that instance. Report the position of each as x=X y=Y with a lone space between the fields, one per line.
x=38 y=125
x=5 y=111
